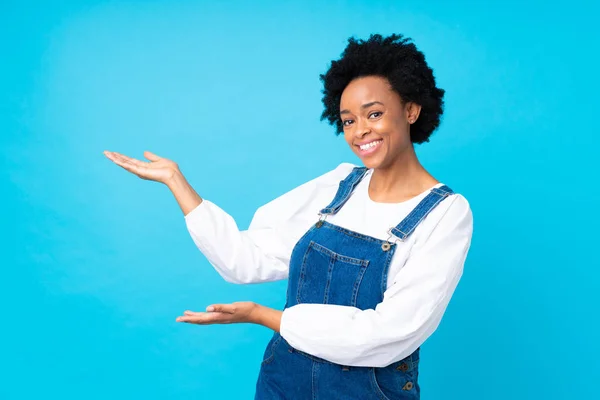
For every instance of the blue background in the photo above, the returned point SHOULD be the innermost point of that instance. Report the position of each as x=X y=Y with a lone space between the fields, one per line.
x=96 y=264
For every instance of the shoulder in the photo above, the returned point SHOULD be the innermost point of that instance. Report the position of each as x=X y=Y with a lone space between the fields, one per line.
x=454 y=208
x=452 y=216
x=458 y=205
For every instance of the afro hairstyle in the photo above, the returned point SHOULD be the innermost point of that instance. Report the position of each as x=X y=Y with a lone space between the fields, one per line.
x=396 y=59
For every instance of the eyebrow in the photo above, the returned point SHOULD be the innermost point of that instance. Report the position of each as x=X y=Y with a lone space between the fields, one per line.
x=363 y=106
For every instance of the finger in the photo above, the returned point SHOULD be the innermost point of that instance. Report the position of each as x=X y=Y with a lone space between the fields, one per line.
x=135 y=169
x=133 y=161
x=113 y=156
x=222 y=308
x=151 y=156
x=110 y=155
x=204 y=318
x=192 y=319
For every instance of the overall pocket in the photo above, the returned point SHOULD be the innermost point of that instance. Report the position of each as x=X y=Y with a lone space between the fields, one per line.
x=269 y=353
x=327 y=277
x=397 y=381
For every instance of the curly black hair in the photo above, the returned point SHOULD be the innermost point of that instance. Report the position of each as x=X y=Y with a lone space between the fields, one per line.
x=398 y=60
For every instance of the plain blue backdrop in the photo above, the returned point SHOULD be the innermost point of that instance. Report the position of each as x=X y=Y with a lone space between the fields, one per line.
x=97 y=264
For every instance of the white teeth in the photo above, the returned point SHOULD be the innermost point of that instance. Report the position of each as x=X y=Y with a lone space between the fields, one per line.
x=369 y=145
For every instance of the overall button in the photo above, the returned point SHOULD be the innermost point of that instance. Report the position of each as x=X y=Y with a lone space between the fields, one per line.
x=408 y=386
x=402 y=367
x=319 y=224
x=386 y=246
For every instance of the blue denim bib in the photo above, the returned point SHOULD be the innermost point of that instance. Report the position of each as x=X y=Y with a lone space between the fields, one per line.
x=333 y=265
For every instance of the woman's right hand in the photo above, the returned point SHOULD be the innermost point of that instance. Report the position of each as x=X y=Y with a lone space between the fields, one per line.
x=157 y=169
x=160 y=170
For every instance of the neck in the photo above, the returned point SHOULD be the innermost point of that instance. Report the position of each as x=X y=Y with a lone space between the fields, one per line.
x=401 y=180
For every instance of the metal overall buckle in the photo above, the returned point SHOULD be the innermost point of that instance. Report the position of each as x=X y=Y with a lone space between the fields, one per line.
x=321 y=220
x=387 y=245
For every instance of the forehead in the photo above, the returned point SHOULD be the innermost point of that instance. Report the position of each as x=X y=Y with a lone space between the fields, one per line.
x=367 y=89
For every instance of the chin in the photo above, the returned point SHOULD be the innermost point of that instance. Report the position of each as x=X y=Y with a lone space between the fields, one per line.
x=371 y=162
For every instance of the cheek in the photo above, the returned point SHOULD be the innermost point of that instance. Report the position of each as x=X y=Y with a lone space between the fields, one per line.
x=393 y=131
x=396 y=129
x=385 y=128
x=348 y=137
x=386 y=124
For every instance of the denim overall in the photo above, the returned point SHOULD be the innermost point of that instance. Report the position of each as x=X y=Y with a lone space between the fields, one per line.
x=333 y=265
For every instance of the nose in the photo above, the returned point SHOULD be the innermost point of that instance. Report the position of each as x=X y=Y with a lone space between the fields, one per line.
x=361 y=128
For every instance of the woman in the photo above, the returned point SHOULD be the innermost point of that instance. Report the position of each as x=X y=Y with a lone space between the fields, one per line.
x=372 y=254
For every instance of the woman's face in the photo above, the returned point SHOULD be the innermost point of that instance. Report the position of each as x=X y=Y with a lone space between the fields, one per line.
x=376 y=122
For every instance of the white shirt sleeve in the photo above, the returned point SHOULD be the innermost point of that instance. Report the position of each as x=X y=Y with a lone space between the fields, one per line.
x=262 y=252
x=412 y=307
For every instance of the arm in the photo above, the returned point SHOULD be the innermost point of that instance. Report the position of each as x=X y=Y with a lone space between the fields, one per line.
x=257 y=255
x=410 y=312
x=238 y=312
x=262 y=252
x=184 y=193
x=161 y=170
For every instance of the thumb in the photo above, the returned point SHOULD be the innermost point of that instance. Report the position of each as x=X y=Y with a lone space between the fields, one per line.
x=151 y=156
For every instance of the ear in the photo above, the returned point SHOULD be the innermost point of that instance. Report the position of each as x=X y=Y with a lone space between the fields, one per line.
x=412 y=112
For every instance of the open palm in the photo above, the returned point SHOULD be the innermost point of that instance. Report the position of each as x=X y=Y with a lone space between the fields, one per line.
x=156 y=169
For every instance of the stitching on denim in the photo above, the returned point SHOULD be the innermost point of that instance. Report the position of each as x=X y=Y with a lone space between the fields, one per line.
x=314 y=389
x=302 y=272
x=443 y=190
x=313 y=358
x=378 y=390
x=351 y=233
x=402 y=235
x=345 y=189
x=357 y=285
x=386 y=268
x=272 y=350
x=329 y=277
x=337 y=256
x=424 y=208
x=425 y=214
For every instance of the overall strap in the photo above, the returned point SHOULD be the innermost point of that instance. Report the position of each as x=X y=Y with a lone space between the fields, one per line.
x=344 y=191
x=425 y=206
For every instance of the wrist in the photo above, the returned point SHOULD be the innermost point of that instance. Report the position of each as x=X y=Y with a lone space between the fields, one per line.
x=257 y=315
x=176 y=179
x=267 y=317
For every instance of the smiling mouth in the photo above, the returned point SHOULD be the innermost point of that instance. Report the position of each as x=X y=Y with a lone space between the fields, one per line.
x=370 y=147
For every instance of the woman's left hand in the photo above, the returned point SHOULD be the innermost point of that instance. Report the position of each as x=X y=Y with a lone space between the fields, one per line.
x=239 y=312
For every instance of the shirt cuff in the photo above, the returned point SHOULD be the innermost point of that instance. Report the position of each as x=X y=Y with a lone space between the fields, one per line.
x=286 y=326
x=197 y=212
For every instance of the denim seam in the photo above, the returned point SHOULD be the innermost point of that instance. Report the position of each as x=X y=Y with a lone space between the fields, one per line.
x=272 y=350
x=337 y=256
x=422 y=209
x=378 y=390
x=357 y=284
x=426 y=213
x=302 y=272
x=345 y=189
x=386 y=268
x=314 y=389
x=351 y=233
x=329 y=277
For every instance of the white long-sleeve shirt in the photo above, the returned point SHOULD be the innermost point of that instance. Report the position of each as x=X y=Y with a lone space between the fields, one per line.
x=423 y=274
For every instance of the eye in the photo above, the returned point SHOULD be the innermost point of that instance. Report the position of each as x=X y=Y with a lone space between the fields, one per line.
x=347 y=122
x=375 y=114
